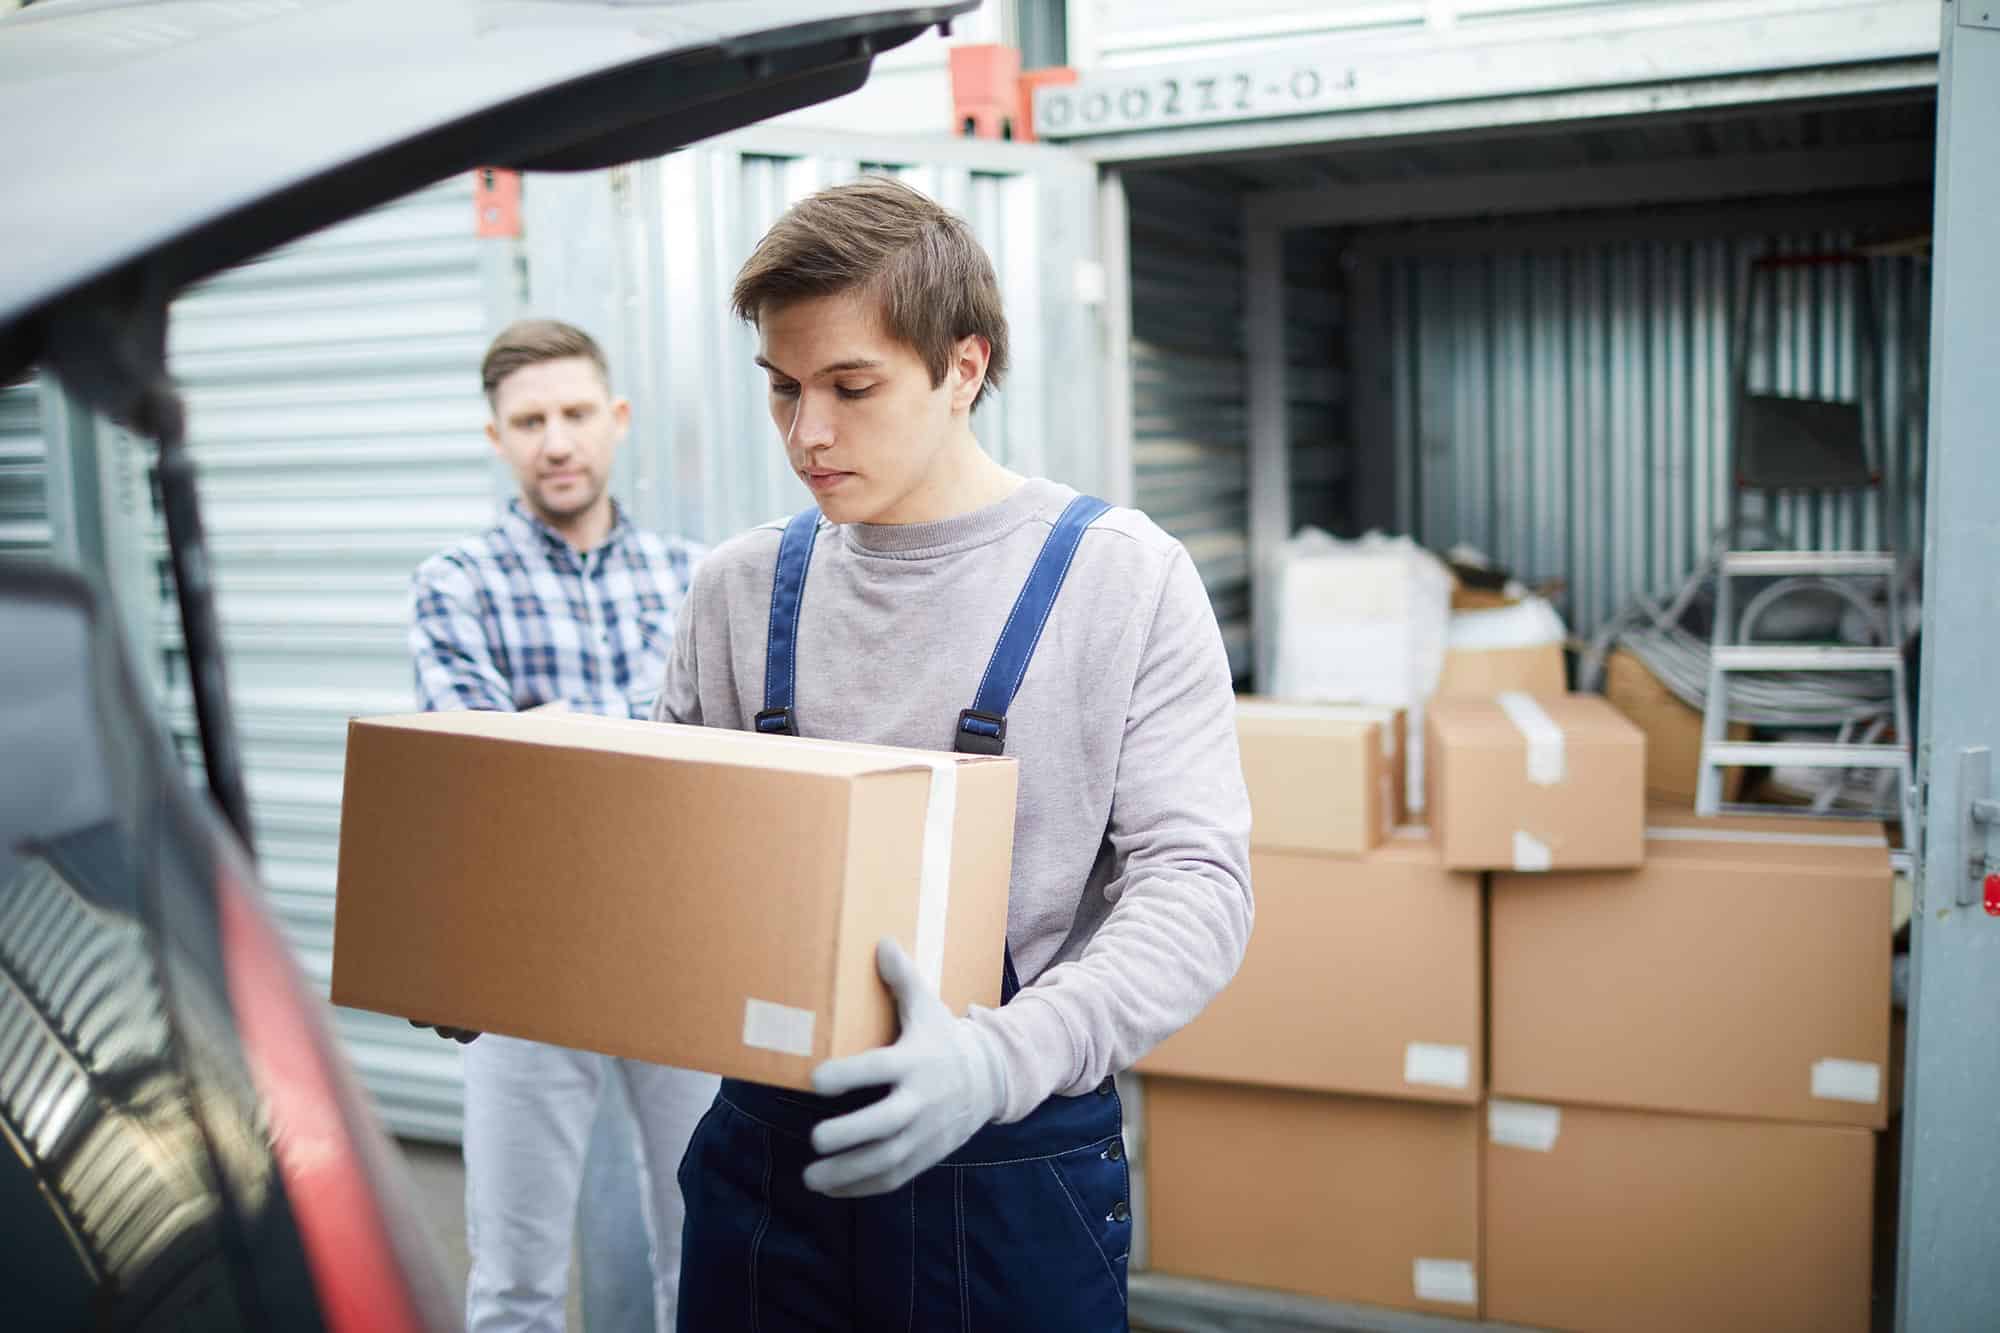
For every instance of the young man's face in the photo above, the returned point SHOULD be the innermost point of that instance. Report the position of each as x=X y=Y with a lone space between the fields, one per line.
x=558 y=427
x=862 y=424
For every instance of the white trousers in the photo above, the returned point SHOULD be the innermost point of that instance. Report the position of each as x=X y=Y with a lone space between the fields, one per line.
x=528 y=1115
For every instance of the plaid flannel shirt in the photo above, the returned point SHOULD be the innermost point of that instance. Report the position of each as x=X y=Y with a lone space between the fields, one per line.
x=515 y=618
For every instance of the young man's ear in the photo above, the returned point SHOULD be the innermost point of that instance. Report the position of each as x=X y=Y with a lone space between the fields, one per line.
x=621 y=415
x=493 y=433
x=968 y=370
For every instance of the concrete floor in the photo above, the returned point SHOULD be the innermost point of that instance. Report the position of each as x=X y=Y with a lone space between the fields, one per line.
x=437 y=1174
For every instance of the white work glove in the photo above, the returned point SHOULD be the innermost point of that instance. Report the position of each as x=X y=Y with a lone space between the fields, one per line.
x=945 y=1084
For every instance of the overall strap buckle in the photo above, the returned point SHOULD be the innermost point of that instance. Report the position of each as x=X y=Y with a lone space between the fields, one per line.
x=980 y=733
x=777 y=722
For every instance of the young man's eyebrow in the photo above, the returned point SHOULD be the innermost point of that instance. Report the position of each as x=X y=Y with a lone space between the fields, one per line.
x=857 y=363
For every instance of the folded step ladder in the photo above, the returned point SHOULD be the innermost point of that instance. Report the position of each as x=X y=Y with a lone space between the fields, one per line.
x=1729 y=657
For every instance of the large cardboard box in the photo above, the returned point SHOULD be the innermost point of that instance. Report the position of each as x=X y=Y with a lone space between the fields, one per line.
x=1627 y=1222
x=1363 y=976
x=1520 y=783
x=1322 y=777
x=1341 y=1198
x=1743 y=971
x=1673 y=732
x=702 y=898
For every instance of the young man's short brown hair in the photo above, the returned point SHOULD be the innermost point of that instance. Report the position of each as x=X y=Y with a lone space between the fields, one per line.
x=934 y=282
x=529 y=342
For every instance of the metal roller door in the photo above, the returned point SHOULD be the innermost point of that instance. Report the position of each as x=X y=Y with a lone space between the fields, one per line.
x=336 y=418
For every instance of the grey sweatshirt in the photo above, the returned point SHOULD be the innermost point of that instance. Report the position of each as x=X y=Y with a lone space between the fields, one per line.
x=1130 y=904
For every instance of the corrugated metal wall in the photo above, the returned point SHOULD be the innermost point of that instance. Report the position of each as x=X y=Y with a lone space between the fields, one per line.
x=718 y=468
x=335 y=416
x=1322 y=460
x=24 y=514
x=1190 y=416
x=1190 y=429
x=1568 y=412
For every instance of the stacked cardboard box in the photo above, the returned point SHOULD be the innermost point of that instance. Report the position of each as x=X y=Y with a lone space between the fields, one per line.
x=1687 y=1066
x=1524 y=783
x=1341 y=1071
x=1660 y=1114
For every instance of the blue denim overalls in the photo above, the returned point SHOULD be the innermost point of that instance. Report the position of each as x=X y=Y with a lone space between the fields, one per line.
x=1026 y=1228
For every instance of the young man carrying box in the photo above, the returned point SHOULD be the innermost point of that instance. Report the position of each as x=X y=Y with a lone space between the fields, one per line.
x=974 y=1169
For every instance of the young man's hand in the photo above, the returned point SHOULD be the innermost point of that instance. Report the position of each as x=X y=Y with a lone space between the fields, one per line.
x=944 y=1082
x=459 y=1035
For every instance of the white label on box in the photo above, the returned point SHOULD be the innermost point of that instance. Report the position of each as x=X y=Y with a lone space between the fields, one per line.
x=1437 y=1066
x=778 y=1027
x=1531 y=853
x=1544 y=737
x=1847 y=1081
x=934 y=890
x=1523 y=1125
x=1447 y=1281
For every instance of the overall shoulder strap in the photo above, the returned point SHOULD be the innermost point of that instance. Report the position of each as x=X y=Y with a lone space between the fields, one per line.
x=982 y=728
x=795 y=550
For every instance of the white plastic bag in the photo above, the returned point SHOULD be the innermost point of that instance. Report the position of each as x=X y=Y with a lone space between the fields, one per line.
x=1360 y=622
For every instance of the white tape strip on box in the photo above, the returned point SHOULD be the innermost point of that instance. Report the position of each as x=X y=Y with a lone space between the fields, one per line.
x=1531 y=853
x=934 y=889
x=1847 y=1081
x=1437 y=1066
x=1446 y=1281
x=789 y=1030
x=778 y=1027
x=1523 y=1125
x=1544 y=737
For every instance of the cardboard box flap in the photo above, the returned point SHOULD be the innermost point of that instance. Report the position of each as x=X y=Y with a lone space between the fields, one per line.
x=1276 y=716
x=1773 y=843
x=1508 y=721
x=665 y=740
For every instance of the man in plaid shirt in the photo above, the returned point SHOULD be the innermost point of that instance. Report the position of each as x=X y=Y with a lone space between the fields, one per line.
x=564 y=603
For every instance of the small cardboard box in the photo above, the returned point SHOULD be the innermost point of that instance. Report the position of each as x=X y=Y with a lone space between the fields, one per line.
x=1339 y=1198
x=1363 y=976
x=1481 y=673
x=1322 y=777
x=1673 y=732
x=1743 y=971
x=695 y=897
x=1527 y=784
x=1631 y=1222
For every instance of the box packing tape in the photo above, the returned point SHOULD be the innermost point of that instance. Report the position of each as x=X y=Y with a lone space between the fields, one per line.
x=1539 y=730
x=1764 y=837
x=934 y=891
x=1857 y=1081
x=1531 y=853
x=1439 y=1066
x=1523 y=1125
x=1445 y=1281
x=778 y=1027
